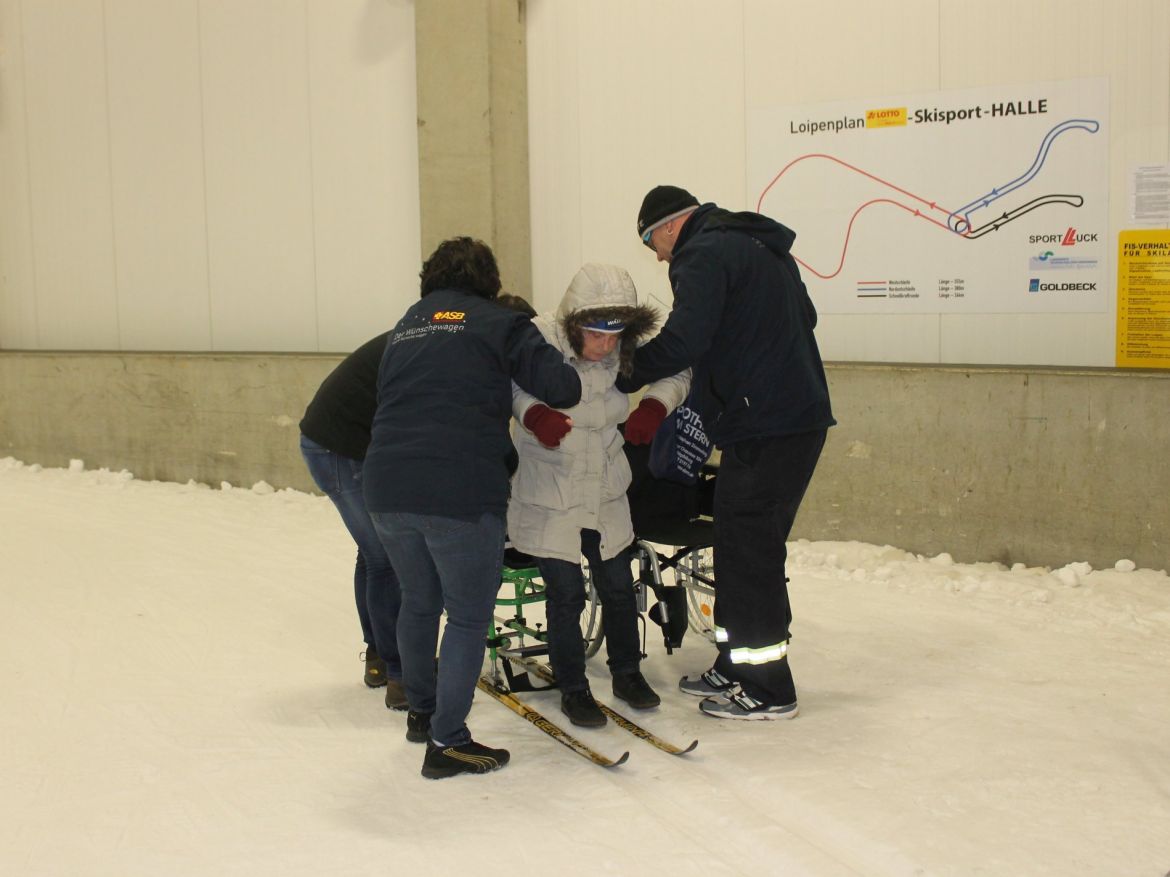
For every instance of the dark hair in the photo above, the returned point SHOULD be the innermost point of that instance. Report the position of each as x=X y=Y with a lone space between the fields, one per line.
x=516 y=303
x=461 y=263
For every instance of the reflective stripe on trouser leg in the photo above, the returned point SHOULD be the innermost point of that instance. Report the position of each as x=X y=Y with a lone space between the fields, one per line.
x=762 y=655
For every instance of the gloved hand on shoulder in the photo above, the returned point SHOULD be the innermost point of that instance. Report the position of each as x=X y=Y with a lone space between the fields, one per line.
x=547 y=424
x=644 y=421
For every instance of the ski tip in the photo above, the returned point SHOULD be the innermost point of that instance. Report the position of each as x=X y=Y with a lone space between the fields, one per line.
x=690 y=748
x=620 y=760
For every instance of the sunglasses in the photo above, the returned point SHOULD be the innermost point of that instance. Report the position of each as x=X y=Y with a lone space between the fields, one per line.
x=646 y=236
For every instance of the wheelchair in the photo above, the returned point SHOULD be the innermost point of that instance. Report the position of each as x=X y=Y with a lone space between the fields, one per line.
x=672 y=550
x=673 y=534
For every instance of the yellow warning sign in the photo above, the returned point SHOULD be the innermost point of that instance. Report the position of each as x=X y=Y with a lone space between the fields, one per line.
x=1143 y=299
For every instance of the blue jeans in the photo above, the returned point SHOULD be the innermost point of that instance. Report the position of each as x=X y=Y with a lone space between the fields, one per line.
x=564 y=588
x=375 y=585
x=446 y=564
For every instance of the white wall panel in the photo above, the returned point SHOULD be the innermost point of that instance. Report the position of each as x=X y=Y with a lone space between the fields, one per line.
x=69 y=173
x=1026 y=339
x=879 y=337
x=365 y=167
x=799 y=53
x=18 y=311
x=1006 y=42
x=156 y=146
x=624 y=96
x=259 y=175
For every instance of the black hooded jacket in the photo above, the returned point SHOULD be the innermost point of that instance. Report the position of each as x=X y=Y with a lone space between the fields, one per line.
x=743 y=320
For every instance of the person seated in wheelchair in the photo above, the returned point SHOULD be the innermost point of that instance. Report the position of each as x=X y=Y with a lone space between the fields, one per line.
x=569 y=492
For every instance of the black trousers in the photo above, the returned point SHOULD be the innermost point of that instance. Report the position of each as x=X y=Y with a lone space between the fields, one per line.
x=564 y=588
x=758 y=491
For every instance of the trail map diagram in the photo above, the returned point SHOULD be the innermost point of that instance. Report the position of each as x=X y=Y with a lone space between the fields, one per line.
x=990 y=200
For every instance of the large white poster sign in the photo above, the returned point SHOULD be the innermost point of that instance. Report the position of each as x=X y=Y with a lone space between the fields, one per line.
x=989 y=200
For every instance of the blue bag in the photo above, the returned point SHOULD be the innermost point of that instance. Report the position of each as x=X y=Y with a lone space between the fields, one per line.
x=681 y=446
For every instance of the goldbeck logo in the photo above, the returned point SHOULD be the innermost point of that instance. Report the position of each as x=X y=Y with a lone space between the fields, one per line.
x=1071 y=237
x=1034 y=285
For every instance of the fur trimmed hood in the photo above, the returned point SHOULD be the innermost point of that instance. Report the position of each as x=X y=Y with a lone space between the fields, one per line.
x=606 y=291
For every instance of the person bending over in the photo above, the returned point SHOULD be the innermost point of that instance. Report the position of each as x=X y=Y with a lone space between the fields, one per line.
x=436 y=482
x=335 y=433
x=743 y=319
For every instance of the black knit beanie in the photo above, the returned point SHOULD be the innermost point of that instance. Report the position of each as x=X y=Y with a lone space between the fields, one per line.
x=661 y=202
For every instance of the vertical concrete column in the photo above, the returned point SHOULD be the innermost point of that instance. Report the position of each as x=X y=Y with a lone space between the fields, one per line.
x=473 y=129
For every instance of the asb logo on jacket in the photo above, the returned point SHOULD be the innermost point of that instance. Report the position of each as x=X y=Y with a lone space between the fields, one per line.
x=448 y=317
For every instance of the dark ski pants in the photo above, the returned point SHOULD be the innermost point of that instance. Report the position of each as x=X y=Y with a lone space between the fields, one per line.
x=758 y=491
x=564 y=588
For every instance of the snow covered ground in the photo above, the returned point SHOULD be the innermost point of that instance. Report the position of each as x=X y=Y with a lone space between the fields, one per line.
x=182 y=695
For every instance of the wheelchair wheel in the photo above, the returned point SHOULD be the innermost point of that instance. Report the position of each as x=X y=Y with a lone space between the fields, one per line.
x=696 y=572
x=591 y=630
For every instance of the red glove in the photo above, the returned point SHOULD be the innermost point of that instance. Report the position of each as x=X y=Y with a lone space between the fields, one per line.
x=548 y=425
x=644 y=422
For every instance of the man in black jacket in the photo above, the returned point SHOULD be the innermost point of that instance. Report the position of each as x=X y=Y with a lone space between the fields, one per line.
x=743 y=320
x=436 y=482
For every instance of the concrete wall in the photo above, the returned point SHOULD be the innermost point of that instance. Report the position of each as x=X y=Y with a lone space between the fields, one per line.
x=1035 y=465
x=473 y=130
x=163 y=416
x=1040 y=466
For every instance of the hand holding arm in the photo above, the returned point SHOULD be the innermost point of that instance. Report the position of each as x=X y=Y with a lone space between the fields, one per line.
x=644 y=421
x=547 y=424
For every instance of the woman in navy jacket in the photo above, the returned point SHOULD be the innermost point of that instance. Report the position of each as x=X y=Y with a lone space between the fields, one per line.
x=436 y=482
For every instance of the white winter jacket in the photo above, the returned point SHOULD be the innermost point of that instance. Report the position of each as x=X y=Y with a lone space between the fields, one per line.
x=557 y=492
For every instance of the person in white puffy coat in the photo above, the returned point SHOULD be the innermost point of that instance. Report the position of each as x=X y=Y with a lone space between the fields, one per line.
x=569 y=492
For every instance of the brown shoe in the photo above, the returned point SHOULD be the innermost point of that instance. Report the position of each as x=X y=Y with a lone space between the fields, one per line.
x=375 y=668
x=395 y=695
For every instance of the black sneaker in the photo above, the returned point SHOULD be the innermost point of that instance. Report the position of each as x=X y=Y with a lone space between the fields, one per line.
x=418 y=727
x=582 y=709
x=375 y=668
x=471 y=757
x=635 y=690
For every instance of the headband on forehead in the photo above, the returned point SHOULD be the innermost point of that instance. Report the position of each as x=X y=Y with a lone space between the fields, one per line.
x=610 y=325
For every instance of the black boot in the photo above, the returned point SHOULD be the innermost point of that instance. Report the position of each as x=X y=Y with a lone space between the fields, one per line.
x=582 y=709
x=635 y=690
x=418 y=727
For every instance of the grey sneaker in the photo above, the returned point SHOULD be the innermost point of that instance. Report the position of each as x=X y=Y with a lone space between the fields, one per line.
x=395 y=695
x=708 y=683
x=738 y=704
